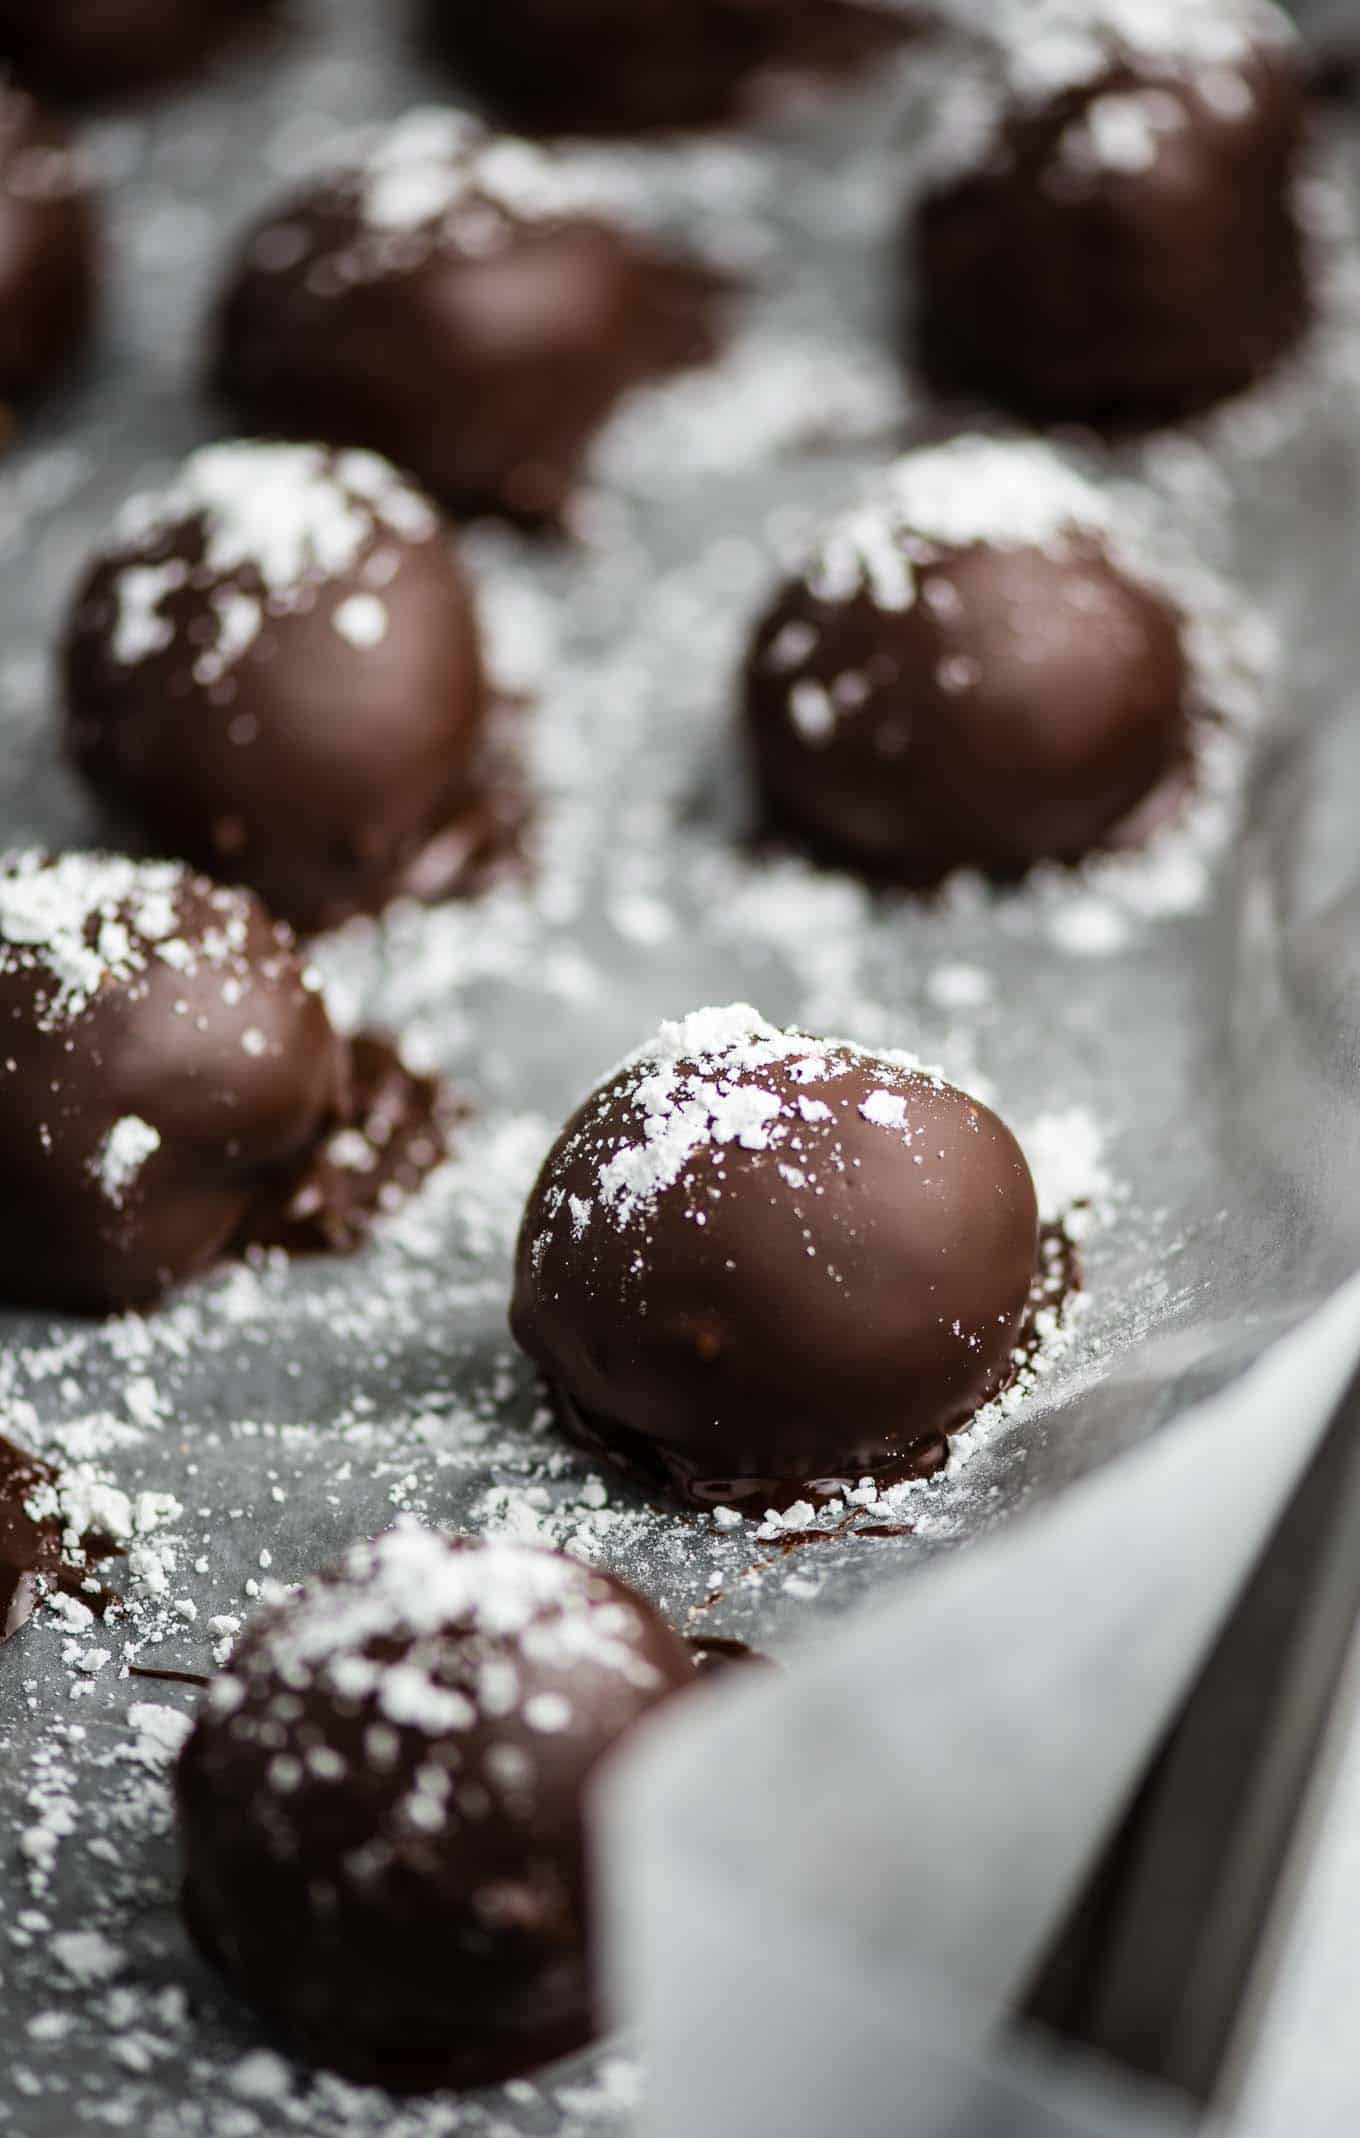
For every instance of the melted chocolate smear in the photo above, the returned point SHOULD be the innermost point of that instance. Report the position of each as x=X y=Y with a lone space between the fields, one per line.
x=649 y=1463
x=34 y=1556
x=1057 y=1279
x=714 y=1655
x=393 y=1132
x=168 y=1677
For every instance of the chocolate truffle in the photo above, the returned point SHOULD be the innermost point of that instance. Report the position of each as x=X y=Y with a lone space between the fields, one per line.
x=469 y=305
x=165 y=1061
x=1117 y=244
x=47 y=247
x=274 y=672
x=382 y=1811
x=97 y=48
x=970 y=672
x=625 y=66
x=757 y=1261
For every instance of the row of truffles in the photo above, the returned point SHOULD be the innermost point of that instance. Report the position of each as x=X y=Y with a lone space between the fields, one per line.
x=755 y=1262
x=756 y=1265
x=274 y=673
x=1110 y=239
x=972 y=674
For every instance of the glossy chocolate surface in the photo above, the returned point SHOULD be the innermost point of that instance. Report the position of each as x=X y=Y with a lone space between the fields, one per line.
x=1125 y=249
x=382 y=1804
x=966 y=676
x=170 y=1081
x=773 y=1259
x=466 y=304
x=274 y=672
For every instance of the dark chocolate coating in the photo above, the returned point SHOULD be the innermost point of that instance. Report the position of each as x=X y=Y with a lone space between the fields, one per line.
x=808 y=1291
x=36 y=1554
x=47 y=247
x=626 y=66
x=1074 y=289
x=381 y=1807
x=481 y=348
x=329 y=759
x=1022 y=709
x=142 y=994
x=82 y=49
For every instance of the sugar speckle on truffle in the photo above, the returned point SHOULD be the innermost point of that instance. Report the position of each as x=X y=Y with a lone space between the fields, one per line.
x=122 y=1154
x=362 y=619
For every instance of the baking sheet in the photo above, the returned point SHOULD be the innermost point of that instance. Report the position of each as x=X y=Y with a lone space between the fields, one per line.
x=1151 y=1032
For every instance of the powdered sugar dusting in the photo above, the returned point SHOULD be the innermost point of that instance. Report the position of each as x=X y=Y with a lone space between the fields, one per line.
x=83 y=920
x=699 y=1085
x=424 y=1636
x=290 y=518
x=1013 y=495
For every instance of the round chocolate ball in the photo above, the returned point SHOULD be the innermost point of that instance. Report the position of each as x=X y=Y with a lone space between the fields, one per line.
x=47 y=247
x=274 y=672
x=626 y=66
x=97 y=48
x=755 y=1260
x=165 y=1063
x=382 y=1805
x=1118 y=243
x=970 y=673
x=467 y=304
